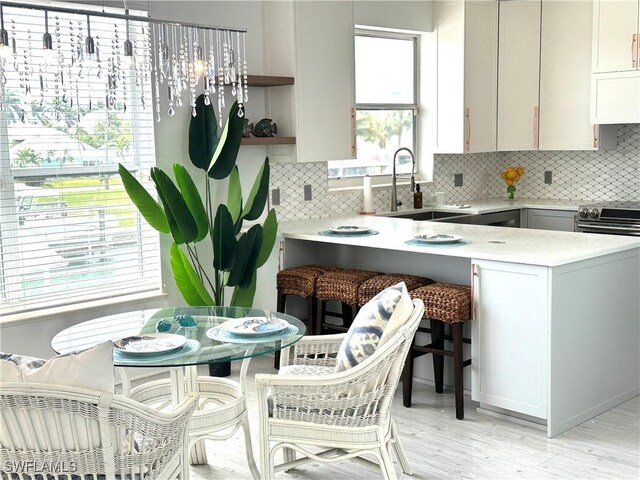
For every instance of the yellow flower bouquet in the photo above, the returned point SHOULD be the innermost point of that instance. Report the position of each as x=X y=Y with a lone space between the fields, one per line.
x=511 y=175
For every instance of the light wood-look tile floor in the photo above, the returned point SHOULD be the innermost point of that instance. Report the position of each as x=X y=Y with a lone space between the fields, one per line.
x=478 y=447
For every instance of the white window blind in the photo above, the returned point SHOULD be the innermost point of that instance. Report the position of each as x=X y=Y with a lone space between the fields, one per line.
x=68 y=231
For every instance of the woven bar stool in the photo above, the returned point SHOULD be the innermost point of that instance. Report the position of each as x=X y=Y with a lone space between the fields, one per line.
x=371 y=287
x=444 y=303
x=341 y=286
x=301 y=282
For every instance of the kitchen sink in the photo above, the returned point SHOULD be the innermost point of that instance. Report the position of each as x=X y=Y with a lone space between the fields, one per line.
x=429 y=215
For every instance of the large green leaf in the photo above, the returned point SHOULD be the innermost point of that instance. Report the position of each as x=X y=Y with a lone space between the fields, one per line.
x=269 y=233
x=203 y=134
x=224 y=240
x=243 y=297
x=147 y=206
x=189 y=284
x=181 y=223
x=224 y=157
x=192 y=199
x=258 y=194
x=234 y=195
x=246 y=257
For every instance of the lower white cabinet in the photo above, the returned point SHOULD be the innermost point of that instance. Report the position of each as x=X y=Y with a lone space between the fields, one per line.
x=510 y=351
x=559 y=220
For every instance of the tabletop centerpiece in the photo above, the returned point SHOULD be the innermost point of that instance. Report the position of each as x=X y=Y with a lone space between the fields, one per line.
x=511 y=176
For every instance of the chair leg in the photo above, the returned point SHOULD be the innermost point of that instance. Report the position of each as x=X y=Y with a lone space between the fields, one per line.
x=437 y=340
x=249 y=449
x=397 y=447
x=388 y=470
x=407 y=377
x=267 y=469
x=289 y=455
x=456 y=332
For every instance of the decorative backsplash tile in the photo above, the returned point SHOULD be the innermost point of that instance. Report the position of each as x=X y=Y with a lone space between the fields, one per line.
x=608 y=175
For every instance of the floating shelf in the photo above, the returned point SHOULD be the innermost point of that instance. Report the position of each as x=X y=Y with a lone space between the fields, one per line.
x=268 y=141
x=268 y=81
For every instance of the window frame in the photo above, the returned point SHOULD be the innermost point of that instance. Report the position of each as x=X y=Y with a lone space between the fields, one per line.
x=10 y=211
x=355 y=182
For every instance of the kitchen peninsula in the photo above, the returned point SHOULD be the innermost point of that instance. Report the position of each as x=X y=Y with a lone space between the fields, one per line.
x=556 y=334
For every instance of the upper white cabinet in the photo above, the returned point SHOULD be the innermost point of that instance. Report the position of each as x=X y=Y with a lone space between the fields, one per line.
x=466 y=66
x=565 y=79
x=615 y=34
x=518 y=75
x=312 y=41
x=615 y=83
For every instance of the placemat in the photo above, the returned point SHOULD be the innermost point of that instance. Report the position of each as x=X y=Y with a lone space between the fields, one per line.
x=418 y=243
x=188 y=348
x=329 y=233
x=217 y=334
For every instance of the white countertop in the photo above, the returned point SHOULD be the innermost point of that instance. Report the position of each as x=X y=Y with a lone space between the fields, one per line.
x=535 y=247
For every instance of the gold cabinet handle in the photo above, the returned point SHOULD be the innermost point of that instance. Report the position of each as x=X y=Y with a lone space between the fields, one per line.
x=353 y=132
x=467 y=141
x=535 y=127
x=634 y=52
x=474 y=276
x=595 y=139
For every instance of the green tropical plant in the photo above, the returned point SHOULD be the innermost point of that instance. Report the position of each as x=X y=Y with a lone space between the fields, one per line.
x=181 y=212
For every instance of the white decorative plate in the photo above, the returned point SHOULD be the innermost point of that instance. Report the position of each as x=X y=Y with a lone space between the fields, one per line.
x=349 y=229
x=439 y=238
x=216 y=333
x=253 y=326
x=150 y=344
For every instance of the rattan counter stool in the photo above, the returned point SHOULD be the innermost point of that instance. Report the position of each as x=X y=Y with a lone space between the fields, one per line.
x=341 y=286
x=444 y=303
x=300 y=282
x=374 y=285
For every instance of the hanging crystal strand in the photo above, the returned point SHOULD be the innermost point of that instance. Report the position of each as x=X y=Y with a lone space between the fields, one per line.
x=27 y=76
x=193 y=77
x=207 y=67
x=156 y=74
x=176 y=80
x=240 y=95
x=80 y=50
x=70 y=64
x=220 y=78
x=212 y=66
x=244 y=67
x=232 y=70
x=184 y=57
x=163 y=53
x=13 y=45
x=58 y=70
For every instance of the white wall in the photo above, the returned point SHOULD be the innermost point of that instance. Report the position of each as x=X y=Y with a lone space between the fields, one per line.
x=411 y=15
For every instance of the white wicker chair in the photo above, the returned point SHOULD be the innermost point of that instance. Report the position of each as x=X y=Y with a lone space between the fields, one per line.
x=89 y=434
x=346 y=414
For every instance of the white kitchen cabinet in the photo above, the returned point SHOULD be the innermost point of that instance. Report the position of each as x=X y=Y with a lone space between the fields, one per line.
x=313 y=42
x=558 y=220
x=466 y=68
x=518 y=74
x=510 y=348
x=615 y=83
x=565 y=80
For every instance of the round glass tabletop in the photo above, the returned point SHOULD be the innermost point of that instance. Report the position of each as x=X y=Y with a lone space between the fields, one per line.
x=205 y=341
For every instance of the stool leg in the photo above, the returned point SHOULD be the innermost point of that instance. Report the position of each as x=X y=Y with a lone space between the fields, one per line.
x=456 y=332
x=347 y=314
x=322 y=308
x=282 y=298
x=313 y=326
x=407 y=377
x=437 y=341
x=311 y=314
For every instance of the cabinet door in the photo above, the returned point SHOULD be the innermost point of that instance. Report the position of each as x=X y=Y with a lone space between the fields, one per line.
x=565 y=76
x=509 y=337
x=480 y=75
x=325 y=81
x=518 y=74
x=615 y=23
x=615 y=97
x=558 y=220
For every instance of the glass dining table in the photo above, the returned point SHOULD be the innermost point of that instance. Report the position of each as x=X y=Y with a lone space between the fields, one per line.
x=190 y=336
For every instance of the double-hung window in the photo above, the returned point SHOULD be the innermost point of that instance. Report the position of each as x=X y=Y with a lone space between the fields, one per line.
x=68 y=231
x=386 y=104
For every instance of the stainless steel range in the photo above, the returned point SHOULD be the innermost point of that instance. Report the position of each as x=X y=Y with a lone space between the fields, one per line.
x=613 y=218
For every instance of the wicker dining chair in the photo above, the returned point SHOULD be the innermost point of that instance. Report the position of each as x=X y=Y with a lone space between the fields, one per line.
x=82 y=433
x=347 y=414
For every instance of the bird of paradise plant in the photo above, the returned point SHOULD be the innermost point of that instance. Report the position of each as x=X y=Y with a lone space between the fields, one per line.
x=181 y=213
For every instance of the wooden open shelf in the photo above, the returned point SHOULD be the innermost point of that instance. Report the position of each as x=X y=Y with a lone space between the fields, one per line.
x=268 y=81
x=268 y=141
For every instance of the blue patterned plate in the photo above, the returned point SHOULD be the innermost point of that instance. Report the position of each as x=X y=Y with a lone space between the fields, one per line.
x=216 y=333
x=150 y=344
x=253 y=326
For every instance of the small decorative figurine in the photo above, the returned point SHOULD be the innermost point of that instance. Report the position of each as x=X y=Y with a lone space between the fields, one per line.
x=265 y=128
x=186 y=321
x=247 y=128
x=163 y=325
